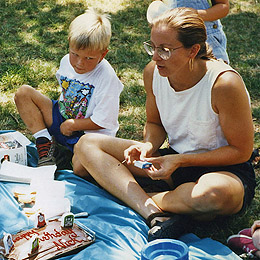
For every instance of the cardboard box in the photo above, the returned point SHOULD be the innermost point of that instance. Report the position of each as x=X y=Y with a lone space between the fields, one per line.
x=13 y=147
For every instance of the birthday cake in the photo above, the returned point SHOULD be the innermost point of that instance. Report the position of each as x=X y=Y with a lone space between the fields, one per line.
x=49 y=241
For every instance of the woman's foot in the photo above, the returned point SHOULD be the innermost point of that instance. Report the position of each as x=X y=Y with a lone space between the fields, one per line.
x=173 y=225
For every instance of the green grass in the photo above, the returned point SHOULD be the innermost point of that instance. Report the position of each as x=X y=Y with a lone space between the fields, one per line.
x=33 y=39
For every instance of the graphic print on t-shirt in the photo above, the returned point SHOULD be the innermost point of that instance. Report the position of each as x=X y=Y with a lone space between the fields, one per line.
x=76 y=98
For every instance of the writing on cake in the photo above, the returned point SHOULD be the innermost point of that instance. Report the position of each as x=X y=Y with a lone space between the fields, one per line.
x=60 y=243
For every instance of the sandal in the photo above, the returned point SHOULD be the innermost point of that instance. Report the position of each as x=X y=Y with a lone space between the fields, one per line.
x=155 y=215
x=172 y=228
x=255 y=154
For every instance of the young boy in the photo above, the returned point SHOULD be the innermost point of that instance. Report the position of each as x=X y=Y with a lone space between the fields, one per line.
x=89 y=101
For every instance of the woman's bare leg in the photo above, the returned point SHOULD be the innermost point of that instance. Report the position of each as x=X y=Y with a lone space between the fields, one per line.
x=101 y=156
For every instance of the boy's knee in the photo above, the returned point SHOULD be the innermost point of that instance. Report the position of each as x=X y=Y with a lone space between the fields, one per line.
x=22 y=92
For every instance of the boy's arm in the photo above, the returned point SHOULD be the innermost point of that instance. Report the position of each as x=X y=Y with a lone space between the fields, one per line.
x=72 y=125
x=219 y=9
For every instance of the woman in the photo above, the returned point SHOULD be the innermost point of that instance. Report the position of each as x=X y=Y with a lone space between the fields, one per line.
x=211 y=12
x=202 y=106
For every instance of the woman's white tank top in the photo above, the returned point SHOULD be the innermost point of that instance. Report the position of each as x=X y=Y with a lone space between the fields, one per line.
x=187 y=116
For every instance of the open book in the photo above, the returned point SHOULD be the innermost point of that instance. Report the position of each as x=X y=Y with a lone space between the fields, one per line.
x=15 y=172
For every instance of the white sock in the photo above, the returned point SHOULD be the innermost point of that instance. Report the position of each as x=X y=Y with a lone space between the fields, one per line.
x=42 y=133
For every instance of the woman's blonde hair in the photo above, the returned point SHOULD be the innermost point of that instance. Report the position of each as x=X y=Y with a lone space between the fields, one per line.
x=91 y=30
x=190 y=29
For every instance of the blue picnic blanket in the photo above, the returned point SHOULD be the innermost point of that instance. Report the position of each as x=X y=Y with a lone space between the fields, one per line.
x=121 y=233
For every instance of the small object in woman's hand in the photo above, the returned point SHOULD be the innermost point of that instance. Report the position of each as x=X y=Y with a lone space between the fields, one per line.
x=122 y=162
x=142 y=165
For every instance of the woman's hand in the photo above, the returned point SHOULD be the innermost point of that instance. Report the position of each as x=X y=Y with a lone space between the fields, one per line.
x=137 y=152
x=163 y=166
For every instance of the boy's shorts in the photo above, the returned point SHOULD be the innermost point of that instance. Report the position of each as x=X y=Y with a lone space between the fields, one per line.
x=182 y=175
x=54 y=130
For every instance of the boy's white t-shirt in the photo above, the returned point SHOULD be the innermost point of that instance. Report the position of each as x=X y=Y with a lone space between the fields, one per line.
x=93 y=95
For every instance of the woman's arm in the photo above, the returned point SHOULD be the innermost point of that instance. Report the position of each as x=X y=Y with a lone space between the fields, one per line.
x=230 y=102
x=154 y=132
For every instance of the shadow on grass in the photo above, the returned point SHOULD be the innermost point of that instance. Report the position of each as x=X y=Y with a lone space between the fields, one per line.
x=33 y=30
x=243 y=36
x=9 y=118
x=38 y=30
x=34 y=38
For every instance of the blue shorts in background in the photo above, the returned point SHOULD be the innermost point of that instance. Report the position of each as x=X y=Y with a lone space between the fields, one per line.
x=54 y=130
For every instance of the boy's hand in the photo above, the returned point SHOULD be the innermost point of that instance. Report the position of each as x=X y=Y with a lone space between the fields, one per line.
x=256 y=225
x=66 y=128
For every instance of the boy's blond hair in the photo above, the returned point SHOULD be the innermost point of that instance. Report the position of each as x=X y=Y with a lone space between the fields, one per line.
x=91 y=30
